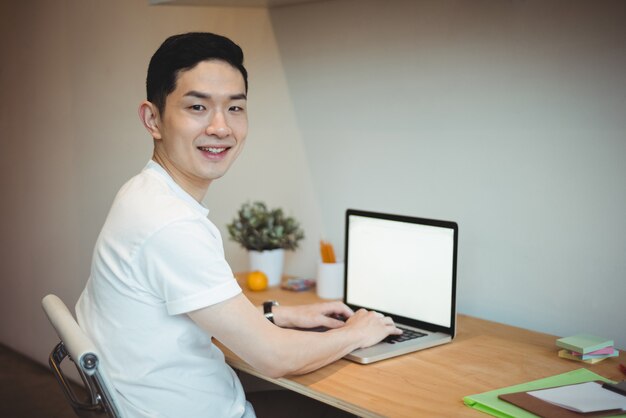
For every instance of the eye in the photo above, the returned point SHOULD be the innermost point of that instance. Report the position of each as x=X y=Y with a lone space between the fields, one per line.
x=236 y=109
x=197 y=107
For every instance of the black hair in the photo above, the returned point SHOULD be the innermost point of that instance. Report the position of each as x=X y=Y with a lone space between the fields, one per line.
x=183 y=52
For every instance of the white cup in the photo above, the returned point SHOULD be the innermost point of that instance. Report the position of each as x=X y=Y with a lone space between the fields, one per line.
x=330 y=280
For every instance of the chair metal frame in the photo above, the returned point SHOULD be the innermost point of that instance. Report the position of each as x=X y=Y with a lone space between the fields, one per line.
x=76 y=346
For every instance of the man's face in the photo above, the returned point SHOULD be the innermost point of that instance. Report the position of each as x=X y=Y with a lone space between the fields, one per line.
x=203 y=127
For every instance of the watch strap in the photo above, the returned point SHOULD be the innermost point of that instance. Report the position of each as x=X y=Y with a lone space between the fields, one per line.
x=267 y=309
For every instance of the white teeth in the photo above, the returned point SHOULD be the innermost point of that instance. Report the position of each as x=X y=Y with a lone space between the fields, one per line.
x=213 y=150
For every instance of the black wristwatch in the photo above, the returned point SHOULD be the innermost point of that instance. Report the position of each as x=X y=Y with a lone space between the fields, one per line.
x=267 y=309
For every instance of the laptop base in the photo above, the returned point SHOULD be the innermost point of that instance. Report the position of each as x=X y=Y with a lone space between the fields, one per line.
x=382 y=351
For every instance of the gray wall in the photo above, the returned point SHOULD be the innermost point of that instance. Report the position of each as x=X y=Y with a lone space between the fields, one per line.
x=508 y=117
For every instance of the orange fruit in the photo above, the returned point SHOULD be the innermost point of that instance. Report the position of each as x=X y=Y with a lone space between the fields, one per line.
x=257 y=280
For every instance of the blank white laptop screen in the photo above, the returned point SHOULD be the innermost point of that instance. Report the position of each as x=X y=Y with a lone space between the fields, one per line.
x=401 y=268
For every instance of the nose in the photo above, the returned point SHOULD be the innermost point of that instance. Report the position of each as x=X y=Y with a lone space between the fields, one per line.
x=218 y=126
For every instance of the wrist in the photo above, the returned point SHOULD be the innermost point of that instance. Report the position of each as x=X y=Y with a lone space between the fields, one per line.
x=356 y=336
x=269 y=310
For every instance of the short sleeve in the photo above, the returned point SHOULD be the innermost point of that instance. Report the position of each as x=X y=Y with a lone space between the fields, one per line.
x=183 y=264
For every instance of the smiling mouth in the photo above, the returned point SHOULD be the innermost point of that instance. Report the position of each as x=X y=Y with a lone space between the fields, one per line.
x=213 y=150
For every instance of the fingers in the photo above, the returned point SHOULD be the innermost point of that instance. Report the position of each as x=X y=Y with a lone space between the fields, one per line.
x=338 y=309
x=377 y=316
x=335 y=314
x=332 y=322
x=387 y=321
x=372 y=326
x=395 y=330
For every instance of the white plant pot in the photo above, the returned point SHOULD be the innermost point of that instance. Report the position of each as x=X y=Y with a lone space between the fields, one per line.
x=269 y=262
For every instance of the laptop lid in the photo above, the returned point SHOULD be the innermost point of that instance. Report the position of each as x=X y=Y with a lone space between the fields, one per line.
x=403 y=267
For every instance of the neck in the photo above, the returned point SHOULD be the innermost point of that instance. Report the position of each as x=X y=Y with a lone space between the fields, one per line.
x=197 y=191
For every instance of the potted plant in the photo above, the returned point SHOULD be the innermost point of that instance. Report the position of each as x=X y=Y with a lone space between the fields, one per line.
x=266 y=234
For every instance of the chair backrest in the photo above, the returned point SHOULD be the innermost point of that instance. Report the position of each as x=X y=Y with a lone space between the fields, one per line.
x=76 y=345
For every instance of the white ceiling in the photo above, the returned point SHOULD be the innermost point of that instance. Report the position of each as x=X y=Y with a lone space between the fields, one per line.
x=233 y=3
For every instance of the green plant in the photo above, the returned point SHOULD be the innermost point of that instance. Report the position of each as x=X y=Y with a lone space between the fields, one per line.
x=258 y=228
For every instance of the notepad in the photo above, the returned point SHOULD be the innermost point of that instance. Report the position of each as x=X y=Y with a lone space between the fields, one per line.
x=605 y=350
x=585 y=358
x=584 y=343
x=582 y=397
x=489 y=402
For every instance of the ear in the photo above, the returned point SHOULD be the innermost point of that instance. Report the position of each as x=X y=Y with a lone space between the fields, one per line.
x=149 y=115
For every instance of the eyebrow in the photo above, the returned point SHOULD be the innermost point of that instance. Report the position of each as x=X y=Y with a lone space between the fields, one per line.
x=200 y=95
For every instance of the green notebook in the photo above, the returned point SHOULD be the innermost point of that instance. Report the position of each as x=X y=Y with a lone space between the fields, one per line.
x=489 y=403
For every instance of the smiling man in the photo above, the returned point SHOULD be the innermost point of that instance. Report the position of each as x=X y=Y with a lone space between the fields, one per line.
x=160 y=287
x=202 y=129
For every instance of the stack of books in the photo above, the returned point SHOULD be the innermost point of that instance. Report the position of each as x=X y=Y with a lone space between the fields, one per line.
x=586 y=348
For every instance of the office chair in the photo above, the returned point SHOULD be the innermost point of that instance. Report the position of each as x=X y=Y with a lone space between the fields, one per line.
x=76 y=345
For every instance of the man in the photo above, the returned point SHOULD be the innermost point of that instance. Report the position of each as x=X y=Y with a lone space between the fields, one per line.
x=160 y=287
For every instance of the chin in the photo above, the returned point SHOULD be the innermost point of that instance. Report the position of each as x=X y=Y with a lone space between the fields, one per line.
x=213 y=176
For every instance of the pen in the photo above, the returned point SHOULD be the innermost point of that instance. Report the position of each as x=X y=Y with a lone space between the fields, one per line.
x=617 y=387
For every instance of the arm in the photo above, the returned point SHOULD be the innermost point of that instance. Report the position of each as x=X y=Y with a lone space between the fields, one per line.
x=311 y=315
x=276 y=351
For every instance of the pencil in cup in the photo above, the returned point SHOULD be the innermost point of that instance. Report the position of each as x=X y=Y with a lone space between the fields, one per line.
x=327 y=252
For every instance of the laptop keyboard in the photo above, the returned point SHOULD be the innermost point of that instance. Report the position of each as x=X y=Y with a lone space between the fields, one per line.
x=407 y=334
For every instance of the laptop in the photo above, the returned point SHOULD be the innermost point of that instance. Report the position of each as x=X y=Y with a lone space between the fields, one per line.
x=403 y=267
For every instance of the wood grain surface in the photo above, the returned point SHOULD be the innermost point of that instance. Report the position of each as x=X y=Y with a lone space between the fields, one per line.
x=485 y=355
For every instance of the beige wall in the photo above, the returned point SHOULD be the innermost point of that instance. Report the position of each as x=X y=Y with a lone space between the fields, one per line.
x=72 y=77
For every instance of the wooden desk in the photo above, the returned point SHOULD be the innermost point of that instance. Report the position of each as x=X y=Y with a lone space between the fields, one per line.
x=484 y=355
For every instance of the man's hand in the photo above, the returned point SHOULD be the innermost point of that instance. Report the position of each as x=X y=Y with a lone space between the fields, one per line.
x=311 y=316
x=371 y=326
x=276 y=351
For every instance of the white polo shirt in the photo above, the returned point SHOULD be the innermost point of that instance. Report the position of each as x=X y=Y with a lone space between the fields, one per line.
x=158 y=257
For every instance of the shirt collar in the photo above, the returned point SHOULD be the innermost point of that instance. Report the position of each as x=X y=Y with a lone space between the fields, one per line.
x=155 y=167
